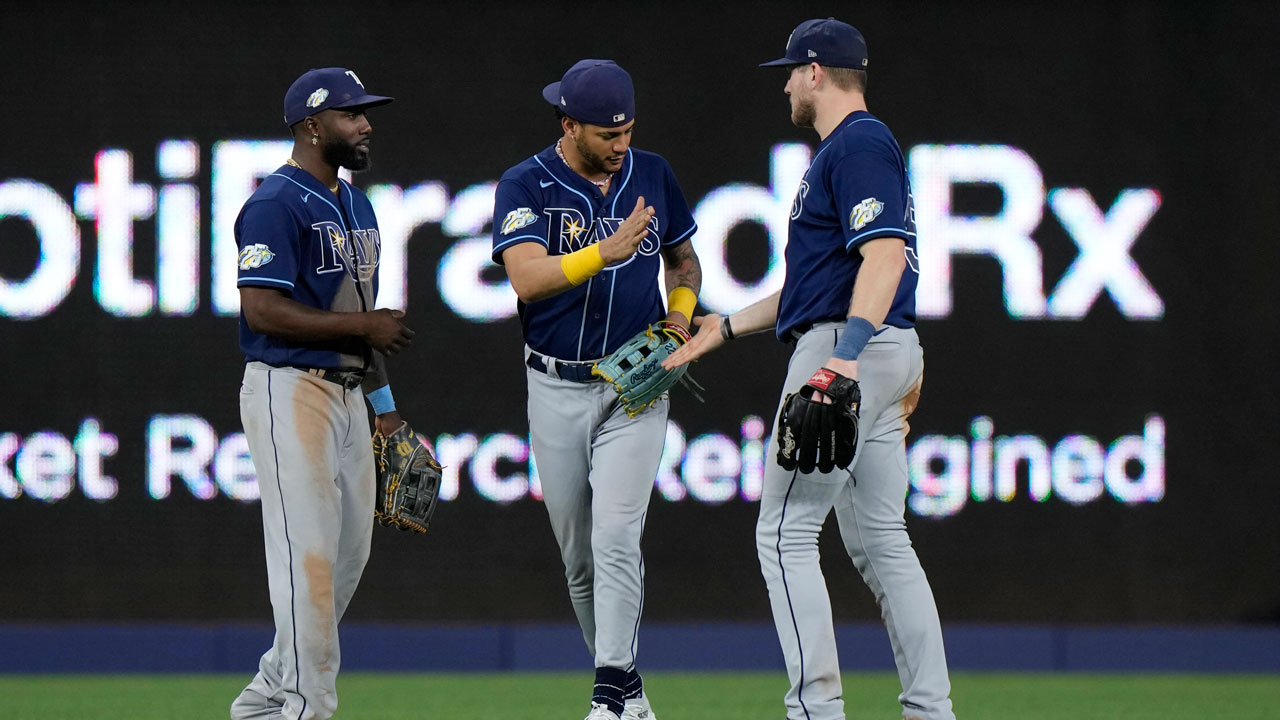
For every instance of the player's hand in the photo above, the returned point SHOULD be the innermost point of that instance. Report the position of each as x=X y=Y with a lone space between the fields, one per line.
x=707 y=339
x=385 y=333
x=623 y=243
x=847 y=368
x=387 y=422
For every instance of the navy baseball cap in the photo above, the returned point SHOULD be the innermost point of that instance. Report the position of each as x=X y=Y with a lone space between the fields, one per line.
x=827 y=42
x=596 y=92
x=324 y=88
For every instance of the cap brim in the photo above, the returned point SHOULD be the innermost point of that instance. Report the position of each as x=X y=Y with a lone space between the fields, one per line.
x=551 y=93
x=366 y=101
x=780 y=62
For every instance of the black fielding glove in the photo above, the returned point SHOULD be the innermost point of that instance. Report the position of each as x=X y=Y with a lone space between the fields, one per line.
x=813 y=434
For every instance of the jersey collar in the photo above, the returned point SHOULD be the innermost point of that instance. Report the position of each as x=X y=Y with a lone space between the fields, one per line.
x=848 y=120
x=554 y=165
x=302 y=176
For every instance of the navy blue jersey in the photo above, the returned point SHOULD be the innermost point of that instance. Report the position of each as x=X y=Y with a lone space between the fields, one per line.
x=856 y=189
x=321 y=249
x=541 y=200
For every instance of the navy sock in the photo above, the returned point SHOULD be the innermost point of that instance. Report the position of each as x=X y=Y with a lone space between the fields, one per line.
x=634 y=687
x=610 y=683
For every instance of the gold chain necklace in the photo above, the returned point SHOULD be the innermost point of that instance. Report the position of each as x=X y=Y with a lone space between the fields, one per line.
x=294 y=163
x=598 y=183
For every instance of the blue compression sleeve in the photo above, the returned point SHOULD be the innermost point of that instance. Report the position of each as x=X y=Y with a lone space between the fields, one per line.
x=857 y=332
x=381 y=400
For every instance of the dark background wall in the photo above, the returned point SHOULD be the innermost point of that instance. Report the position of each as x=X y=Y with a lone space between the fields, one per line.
x=1176 y=98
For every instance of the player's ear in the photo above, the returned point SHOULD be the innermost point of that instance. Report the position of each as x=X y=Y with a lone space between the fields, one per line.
x=568 y=124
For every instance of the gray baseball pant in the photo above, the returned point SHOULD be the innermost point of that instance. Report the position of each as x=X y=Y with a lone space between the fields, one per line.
x=597 y=467
x=870 y=503
x=309 y=440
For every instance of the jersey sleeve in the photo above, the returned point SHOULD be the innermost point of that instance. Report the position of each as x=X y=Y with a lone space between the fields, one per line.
x=868 y=191
x=517 y=217
x=267 y=234
x=680 y=225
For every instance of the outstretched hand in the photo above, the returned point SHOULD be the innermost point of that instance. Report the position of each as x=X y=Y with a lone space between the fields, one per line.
x=707 y=339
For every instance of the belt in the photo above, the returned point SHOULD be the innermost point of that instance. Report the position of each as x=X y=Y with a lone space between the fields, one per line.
x=803 y=328
x=579 y=372
x=346 y=378
x=799 y=330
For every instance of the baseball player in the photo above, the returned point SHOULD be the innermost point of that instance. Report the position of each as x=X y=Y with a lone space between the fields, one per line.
x=848 y=304
x=580 y=227
x=312 y=342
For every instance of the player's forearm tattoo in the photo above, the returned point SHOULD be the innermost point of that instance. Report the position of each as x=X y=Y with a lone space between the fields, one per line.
x=683 y=268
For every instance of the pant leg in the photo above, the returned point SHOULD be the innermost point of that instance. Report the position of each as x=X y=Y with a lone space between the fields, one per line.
x=624 y=462
x=560 y=428
x=357 y=483
x=871 y=514
x=293 y=424
x=793 y=507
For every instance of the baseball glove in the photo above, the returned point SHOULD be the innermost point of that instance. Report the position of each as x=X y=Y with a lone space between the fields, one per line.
x=636 y=371
x=408 y=480
x=812 y=433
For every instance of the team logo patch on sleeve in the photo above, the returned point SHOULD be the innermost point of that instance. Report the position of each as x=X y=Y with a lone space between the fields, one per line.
x=255 y=256
x=864 y=212
x=516 y=219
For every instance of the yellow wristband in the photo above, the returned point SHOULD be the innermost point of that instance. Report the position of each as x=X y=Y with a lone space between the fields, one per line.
x=580 y=265
x=683 y=301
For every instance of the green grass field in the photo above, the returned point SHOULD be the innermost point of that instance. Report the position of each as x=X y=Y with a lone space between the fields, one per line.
x=676 y=696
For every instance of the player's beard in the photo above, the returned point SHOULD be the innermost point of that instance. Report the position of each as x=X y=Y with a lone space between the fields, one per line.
x=338 y=153
x=594 y=163
x=804 y=113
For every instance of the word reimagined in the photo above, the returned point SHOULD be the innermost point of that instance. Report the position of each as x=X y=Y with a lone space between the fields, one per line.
x=122 y=209
x=186 y=454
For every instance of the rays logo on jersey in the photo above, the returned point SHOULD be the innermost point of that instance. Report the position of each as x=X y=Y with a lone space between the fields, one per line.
x=569 y=231
x=255 y=256
x=516 y=219
x=864 y=212
x=798 y=204
x=359 y=257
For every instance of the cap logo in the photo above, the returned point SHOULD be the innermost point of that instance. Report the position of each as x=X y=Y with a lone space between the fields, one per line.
x=813 y=54
x=619 y=117
x=562 y=102
x=317 y=97
x=353 y=77
x=864 y=62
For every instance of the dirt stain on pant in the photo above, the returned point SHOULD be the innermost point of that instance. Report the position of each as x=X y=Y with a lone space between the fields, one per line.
x=909 y=403
x=312 y=424
x=320 y=590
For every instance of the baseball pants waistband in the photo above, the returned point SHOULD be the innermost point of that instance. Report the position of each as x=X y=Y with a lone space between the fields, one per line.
x=579 y=372
x=346 y=378
x=798 y=331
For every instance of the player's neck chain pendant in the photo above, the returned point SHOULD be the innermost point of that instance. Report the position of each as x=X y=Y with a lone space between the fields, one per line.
x=598 y=183
x=291 y=161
